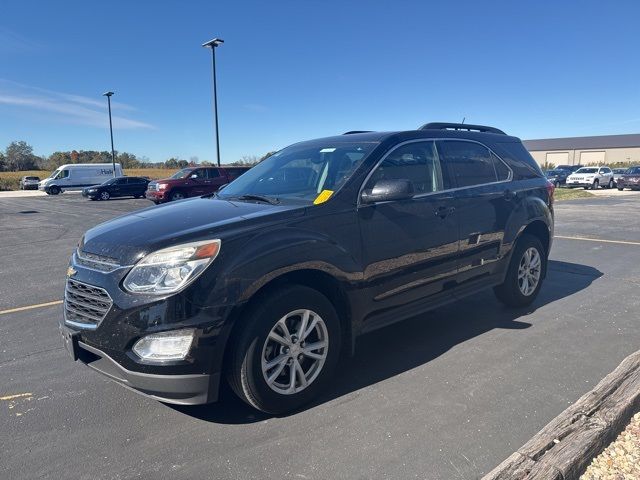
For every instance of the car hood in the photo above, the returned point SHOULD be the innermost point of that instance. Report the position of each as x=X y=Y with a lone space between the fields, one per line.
x=129 y=237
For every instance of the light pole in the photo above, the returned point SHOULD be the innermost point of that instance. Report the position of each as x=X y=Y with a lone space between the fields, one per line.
x=212 y=44
x=113 y=152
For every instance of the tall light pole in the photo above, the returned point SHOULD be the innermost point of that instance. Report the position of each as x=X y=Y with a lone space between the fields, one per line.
x=212 y=44
x=113 y=152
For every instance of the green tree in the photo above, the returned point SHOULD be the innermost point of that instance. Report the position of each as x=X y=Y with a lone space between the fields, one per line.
x=19 y=156
x=128 y=160
x=171 y=163
x=3 y=162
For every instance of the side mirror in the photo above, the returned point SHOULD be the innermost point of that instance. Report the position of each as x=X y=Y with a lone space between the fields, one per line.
x=222 y=186
x=387 y=190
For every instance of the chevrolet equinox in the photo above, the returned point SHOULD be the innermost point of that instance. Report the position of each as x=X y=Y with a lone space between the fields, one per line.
x=266 y=282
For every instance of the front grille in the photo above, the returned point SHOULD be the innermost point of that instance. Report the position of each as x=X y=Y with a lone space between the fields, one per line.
x=85 y=306
x=97 y=262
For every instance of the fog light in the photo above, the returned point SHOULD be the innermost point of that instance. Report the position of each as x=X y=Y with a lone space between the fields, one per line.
x=165 y=346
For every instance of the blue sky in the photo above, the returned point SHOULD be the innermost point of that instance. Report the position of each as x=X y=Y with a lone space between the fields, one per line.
x=293 y=70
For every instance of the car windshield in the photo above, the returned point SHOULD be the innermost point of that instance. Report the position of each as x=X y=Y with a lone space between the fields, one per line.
x=633 y=171
x=181 y=174
x=619 y=170
x=587 y=170
x=301 y=172
x=54 y=173
x=555 y=172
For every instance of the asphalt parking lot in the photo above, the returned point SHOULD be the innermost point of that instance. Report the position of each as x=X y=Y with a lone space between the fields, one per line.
x=446 y=395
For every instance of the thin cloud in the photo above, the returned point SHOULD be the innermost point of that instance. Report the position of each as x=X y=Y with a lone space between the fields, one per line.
x=66 y=107
x=12 y=42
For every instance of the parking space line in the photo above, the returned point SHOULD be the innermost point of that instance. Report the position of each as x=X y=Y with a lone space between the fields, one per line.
x=30 y=307
x=599 y=240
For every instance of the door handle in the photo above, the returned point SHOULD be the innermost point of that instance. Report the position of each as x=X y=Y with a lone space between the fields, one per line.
x=443 y=212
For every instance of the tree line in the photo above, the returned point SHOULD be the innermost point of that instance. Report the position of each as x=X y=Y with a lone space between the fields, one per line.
x=19 y=156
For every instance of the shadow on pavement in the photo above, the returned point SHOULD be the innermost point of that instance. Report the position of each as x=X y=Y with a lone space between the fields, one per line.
x=392 y=350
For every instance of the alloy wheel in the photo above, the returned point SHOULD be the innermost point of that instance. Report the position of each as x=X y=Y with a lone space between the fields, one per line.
x=295 y=352
x=529 y=271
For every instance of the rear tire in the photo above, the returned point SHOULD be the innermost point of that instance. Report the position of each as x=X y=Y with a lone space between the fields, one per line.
x=511 y=291
x=278 y=387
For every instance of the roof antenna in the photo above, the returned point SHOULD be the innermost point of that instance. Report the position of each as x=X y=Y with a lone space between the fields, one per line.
x=463 y=119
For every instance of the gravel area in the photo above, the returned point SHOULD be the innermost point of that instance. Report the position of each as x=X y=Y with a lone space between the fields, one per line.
x=621 y=459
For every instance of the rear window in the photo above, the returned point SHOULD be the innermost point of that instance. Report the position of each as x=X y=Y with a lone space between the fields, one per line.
x=32 y=178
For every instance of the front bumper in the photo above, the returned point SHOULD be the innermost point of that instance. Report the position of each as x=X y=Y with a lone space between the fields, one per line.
x=192 y=389
x=155 y=196
x=107 y=346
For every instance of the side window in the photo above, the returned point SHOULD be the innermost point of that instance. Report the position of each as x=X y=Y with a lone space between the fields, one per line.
x=63 y=174
x=212 y=173
x=471 y=163
x=197 y=174
x=417 y=162
x=502 y=171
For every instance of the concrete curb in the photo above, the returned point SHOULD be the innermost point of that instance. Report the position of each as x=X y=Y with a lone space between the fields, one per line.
x=565 y=447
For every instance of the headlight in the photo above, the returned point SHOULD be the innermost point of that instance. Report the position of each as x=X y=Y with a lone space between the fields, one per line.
x=164 y=346
x=171 y=269
x=92 y=190
x=162 y=186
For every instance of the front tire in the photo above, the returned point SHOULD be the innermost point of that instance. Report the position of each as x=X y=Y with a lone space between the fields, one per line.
x=596 y=184
x=527 y=269
x=177 y=196
x=104 y=196
x=55 y=190
x=287 y=350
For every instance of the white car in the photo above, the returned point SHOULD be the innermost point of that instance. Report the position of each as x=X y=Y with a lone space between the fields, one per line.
x=591 y=177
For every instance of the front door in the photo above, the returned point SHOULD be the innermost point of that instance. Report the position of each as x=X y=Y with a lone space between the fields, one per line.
x=410 y=246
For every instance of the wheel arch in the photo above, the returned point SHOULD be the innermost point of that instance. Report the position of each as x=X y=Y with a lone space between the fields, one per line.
x=319 y=280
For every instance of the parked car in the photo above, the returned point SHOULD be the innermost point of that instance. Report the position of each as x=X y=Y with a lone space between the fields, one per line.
x=630 y=179
x=617 y=172
x=557 y=176
x=192 y=182
x=117 y=187
x=76 y=176
x=570 y=168
x=269 y=281
x=591 y=178
x=29 y=183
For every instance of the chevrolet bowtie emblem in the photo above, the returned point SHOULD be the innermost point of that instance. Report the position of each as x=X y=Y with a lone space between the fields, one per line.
x=71 y=272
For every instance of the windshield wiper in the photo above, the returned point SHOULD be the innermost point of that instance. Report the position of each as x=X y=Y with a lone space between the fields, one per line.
x=259 y=198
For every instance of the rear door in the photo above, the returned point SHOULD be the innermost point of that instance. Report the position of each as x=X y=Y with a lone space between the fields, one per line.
x=484 y=202
x=410 y=246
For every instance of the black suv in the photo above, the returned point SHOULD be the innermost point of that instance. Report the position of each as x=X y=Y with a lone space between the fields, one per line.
x=269 y=280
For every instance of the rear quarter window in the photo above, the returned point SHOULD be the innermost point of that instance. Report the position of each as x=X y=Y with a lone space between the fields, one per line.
x=519 y=160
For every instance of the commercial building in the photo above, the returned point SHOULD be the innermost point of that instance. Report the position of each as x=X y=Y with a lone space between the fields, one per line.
x=605 y=149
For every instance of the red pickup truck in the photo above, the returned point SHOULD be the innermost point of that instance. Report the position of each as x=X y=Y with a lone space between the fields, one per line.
x=192 y=182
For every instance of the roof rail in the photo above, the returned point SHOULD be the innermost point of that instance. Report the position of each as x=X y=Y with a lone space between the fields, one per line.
x=460 y=126
x=351 y=132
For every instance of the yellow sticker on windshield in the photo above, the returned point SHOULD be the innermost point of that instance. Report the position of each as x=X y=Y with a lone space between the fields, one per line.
x=323 y=197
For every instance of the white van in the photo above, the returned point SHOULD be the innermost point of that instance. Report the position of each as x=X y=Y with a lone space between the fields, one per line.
x=76 y=176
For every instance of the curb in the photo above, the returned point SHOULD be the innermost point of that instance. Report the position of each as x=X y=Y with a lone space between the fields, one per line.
x=566 y=446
